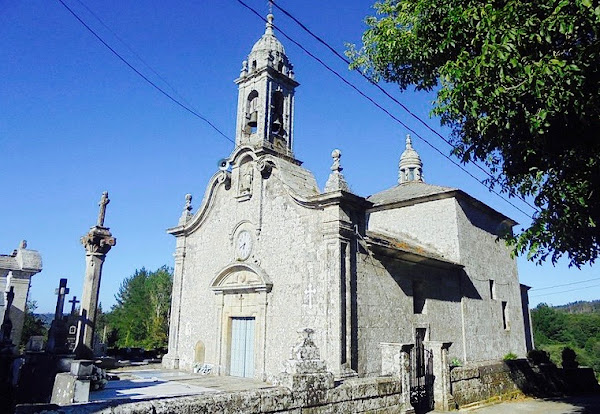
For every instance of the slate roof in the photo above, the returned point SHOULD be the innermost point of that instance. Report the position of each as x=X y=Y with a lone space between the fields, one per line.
x=407 y=191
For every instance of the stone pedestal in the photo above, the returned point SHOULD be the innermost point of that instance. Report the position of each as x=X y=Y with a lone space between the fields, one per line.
x=395 y=361
x=443 y=399
x=305 y=372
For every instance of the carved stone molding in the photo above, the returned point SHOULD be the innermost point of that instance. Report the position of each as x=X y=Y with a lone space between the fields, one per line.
x=98 y=241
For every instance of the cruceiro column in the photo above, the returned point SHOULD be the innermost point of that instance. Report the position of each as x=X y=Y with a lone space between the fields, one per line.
x=97 y=244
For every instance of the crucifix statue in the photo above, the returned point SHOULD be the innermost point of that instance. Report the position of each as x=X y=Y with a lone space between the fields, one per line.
x=97 y=244
x=103 y=202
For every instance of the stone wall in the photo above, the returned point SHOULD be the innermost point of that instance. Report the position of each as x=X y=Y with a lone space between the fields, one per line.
x=373 y=395
x=499 y=380
x=479 y=383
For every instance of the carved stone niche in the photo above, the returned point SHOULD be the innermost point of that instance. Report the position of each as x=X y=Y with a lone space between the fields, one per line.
x=245 y=180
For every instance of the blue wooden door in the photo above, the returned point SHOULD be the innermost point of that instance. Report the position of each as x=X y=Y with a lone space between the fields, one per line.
x=242 y=347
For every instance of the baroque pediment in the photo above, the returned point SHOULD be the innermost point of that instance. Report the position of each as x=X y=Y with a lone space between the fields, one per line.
x=239 y=277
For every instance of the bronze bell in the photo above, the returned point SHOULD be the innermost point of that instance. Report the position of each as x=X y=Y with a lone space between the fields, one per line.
x=252 y=121
x=276 y=125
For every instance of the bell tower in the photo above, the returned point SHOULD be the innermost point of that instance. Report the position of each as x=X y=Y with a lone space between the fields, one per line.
x=265 y=114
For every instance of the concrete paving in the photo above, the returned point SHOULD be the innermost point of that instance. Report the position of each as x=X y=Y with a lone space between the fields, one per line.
x=139 y=384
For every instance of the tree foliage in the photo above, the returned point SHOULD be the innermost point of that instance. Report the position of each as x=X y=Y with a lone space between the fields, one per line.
x=32 y=325
x=141 y=315
x=519 y=85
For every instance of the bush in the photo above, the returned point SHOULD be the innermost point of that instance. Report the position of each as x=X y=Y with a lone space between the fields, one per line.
x=510 y=356
x=569 y=358
x=455 y=362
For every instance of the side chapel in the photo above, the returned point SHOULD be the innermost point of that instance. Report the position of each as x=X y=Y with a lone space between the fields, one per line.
x=268 y=252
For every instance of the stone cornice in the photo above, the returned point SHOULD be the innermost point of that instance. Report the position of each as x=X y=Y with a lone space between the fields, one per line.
x=453 y=193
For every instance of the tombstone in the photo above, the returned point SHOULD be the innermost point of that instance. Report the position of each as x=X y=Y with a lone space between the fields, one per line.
x=57 y=335
x=35 y=344
x=72 y=321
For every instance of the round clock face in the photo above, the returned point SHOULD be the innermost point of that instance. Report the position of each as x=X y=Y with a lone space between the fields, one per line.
x=244 y=245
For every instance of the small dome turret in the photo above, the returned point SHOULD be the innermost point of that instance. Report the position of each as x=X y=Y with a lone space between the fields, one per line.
x=411 y=167
x=268 y=52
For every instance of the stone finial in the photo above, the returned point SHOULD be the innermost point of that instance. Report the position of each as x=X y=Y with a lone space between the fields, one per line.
x=187 y=209
x=269 y=25
x=244 y=70
x=410 y=166
x=188 y=202
x=336 y=181
x=23 y=244
x=104 y=200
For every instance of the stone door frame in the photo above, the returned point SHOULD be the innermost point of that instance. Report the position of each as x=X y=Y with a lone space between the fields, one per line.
x=241 y=290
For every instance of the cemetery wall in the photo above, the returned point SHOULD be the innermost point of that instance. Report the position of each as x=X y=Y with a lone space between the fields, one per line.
x=500 y=380
x=374 y=395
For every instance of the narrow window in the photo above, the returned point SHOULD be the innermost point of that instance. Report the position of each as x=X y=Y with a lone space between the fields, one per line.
x=418 y=297
x=505 y=322
x=411 y=174
x=253 y=65
x=492 y=289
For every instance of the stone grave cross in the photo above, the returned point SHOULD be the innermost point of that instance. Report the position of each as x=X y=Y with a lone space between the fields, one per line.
x=57 y=335
x=61 y=291
x=74 y=303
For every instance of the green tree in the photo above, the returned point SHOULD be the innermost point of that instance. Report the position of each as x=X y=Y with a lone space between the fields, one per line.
x=518 y=83
x=141 y=315
x=32 y=325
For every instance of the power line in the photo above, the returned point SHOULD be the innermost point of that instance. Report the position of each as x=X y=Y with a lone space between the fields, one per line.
x=138 y=57
x=566 y=284
x=351 y=85
x=386 y=93
x=564 y=291
x=374 y=83
x=158 y=88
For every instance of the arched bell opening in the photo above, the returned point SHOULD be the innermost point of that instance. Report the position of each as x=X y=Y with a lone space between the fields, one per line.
x=251 y=113
x=277 y=114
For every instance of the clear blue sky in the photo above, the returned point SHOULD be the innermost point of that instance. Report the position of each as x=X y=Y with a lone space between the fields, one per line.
x=75 y=121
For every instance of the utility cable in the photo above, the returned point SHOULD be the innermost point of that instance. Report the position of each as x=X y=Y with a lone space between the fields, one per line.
x=348 y=83
x=566 y=284
x=154 y=85
x=564 y=291
x=137 y=56
x=386 y=93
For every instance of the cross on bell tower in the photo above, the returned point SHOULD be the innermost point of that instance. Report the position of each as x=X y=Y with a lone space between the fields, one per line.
x=266 y=97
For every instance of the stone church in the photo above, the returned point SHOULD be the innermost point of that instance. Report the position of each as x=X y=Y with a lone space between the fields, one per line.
x=267 y=252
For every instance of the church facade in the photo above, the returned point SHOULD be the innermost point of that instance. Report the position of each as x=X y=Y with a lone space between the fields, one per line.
x=267 y=253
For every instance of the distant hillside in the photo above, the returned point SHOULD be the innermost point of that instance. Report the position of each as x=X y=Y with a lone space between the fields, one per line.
x=580 y=307
x=47 y=318
x=575 y=325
